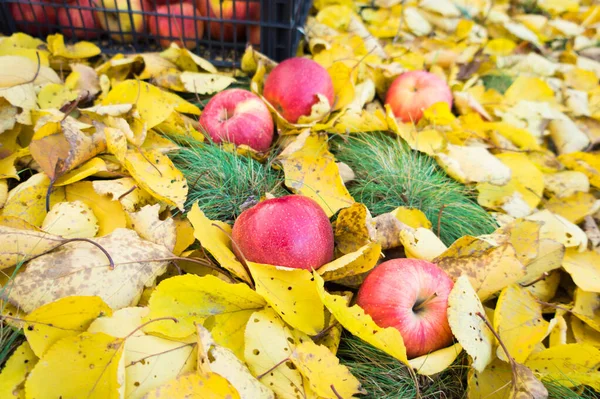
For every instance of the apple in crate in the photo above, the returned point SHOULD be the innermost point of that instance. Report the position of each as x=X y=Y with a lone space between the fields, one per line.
x=240 y=117
x=413 y=92
x=175 y=26
x=291 y=231
x=79 y=23
x=116 y=16
x=33 y=18
x=239 y=10
x=410 y=295
x=292 y=87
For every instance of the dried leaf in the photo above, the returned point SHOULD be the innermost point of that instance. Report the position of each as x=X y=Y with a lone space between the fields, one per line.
x=61 y=273
x=19 y=245
x=147 y=224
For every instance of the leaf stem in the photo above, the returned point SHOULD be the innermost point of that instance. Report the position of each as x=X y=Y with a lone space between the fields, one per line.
x=110 y=259
x=504 y=348
x=258 y=377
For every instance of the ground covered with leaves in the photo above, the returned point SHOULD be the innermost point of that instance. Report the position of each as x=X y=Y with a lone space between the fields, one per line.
x=118 y=275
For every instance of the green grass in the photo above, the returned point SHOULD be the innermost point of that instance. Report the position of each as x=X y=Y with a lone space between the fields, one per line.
x=223 y=183
x=384 y=377
x=389 y=174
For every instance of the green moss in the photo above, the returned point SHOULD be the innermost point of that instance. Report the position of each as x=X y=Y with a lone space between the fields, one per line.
x=222 y=182
x=389 y=174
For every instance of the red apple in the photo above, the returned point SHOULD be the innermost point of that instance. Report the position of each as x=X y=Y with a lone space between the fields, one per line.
x=73 y=20
x=291 y=231
x=412 y=296
x=255 y=36
x=293 y=85
x=224 y=9
x=175 y=26
x=33 y=17
x=414 y=91
x=240 y=117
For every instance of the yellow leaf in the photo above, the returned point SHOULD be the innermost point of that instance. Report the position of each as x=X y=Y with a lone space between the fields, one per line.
x=62 y=272
x=109 y=213
x=586 y=307
x=195 y=386
x=184 y=235
x=580 y=79
x=527 y=181
x=292 y=294
x=584 y=268
x=351 y=232
x=27 y=201
x=464 y=308
x=18 y=245
x=153 y=104
x=88 y=169
x=429 y=141
x=559 y=229
x=125 y=191
x=205 y=83
x=568 y=365
x=422 y=243
x=116 y=143
x=186 y=59
x=179 y=128
x=17 y=70
x=228 y=330
x=55 y=95
x=519 y=322
x=270 y=341
x=71 y=220
x=215 y=237
x=15 y=372
x=310 y=170
x=362 y=325
x=63 y=318
x=490 y=268
x=473 y=165
x=360 y=261
x=23 y=45
x=147 y=224
x=545 y=289
x=326 y=376
x=526 y=88
x=190 y=299
x=3 y=192
x=436 y=361
x=584 y=333
x=585 y=162
x=83 y=49
x=91 y=363
x=567 y=183
x=149 y=361
x=155 y=173
x=358 y=122
x=575 y=207
x=343 y=78
x=500 y=46
x=223 y=362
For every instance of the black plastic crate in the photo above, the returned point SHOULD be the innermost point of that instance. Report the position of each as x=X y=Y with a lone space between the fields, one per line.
x=222 y=38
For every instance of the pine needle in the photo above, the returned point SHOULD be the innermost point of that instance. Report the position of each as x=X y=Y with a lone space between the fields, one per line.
x=223 y=182
x=389 y=174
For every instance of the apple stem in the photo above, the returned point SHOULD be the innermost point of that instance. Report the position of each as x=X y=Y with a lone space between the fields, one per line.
x=422 y=304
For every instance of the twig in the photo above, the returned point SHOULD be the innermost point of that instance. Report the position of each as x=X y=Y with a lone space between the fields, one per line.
x=49 y=193
x=258 y=377
x=324 y=331
x=110 y=259
x=542 y=277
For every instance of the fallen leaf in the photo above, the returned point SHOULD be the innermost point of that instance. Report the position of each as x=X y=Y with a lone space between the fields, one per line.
x=191 y=299
x=212 y=386
x=422 y=244
x=149 y=361
x=350 y=229
x=436 y=361
x=71 y=220
x=559 y=229
x=362 y=325
x=155 y=173
x=566 y=183
x=570 y=365
x=17 y=70
x=16 y=370
x=19 y=245
x=310 y=170
x=586 y=307
x=575 y=207
x=125 y=191
x=584 y=268
x=61 y=273
x=79 y=50
x=205 y=83
x=360 y=261
x=147 y=224
x=215 y=237
x=292 y=294
x=269 y=342
x=519 y=322
x=587 y=163
x=110 y=214
x=473 y=165
x=464 y=308
x=223 y=362
x=489 y=268
x=92 y=363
